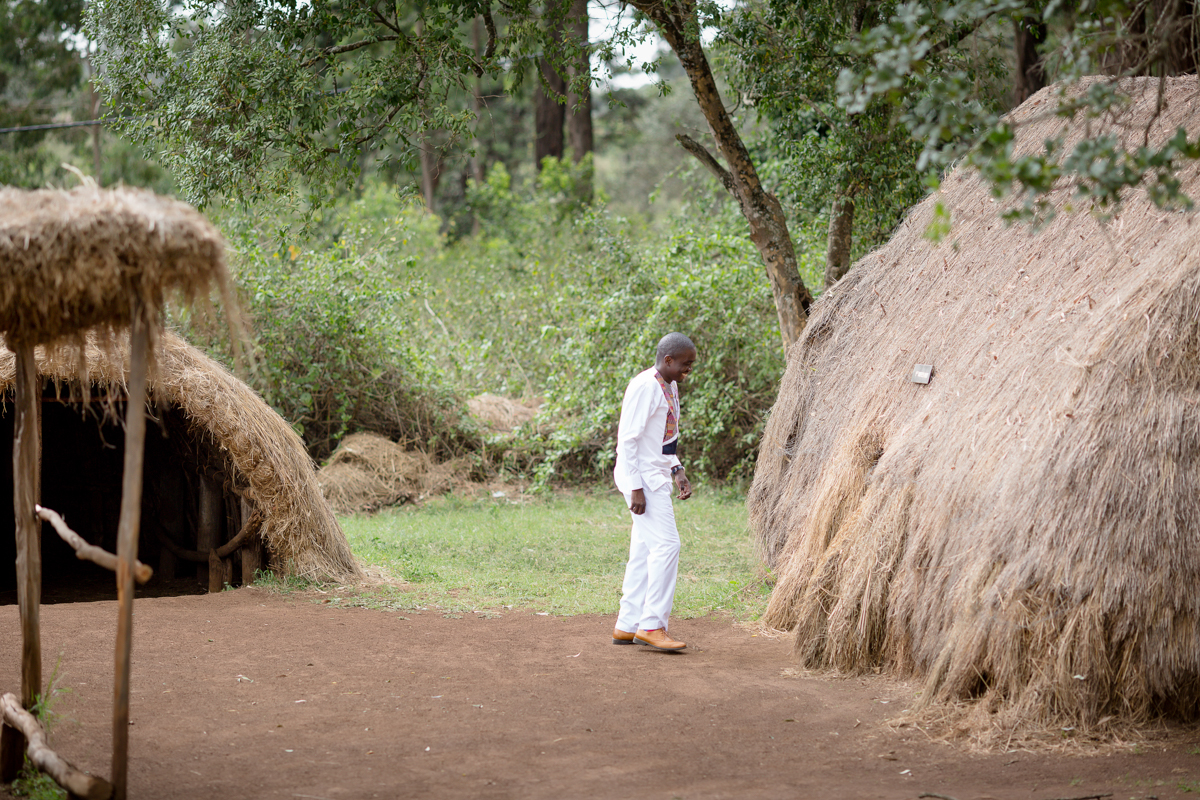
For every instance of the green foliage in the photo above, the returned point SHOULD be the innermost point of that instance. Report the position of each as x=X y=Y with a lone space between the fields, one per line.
x=564 y=555
x=259 y=98
x=783 y=56
x=942 y=110
x=327 y=318
x=705 y=282
x=568 y=302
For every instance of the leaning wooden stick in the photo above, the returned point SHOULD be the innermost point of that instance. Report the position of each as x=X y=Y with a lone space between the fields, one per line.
x=90 y=552
x=45 y=759
x=127 y=540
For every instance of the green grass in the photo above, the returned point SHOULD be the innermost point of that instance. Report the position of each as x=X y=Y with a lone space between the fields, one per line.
x=564 y=555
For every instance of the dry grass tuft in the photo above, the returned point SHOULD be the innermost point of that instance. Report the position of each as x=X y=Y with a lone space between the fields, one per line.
x=500 y=414
x=1023 y=533
x=368 y=472
x=269 y=464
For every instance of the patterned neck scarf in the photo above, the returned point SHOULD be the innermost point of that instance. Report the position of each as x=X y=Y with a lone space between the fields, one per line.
x=671 y=432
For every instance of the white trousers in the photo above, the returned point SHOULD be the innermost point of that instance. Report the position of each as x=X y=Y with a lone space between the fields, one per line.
x=649 y=589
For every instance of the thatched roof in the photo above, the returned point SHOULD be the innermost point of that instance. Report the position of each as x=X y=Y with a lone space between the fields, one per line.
x=270 y=466
x=73 y=260
x=1025 y=528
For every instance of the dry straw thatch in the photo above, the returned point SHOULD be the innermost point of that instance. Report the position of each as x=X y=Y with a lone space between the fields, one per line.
x=71 y=261
x=500 y=414
x=368 y=472
x=1024 y=531
x=269 y=465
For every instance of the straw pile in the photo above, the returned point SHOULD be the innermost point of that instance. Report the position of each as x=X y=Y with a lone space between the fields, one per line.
x=499 y=414
x=1024 y=531
x=268 y=462
x=70 y=261
x=368 y=472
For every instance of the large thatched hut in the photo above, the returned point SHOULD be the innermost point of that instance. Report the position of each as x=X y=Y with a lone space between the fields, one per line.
x=1023 y=531
x=211 y=440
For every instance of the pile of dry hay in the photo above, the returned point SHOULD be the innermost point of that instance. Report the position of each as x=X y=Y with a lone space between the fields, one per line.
x=500 y=414
x=1024 y=531
x=368 y=472
x=270 y=467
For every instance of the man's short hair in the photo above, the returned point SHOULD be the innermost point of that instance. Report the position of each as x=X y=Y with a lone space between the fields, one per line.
x=674 y=345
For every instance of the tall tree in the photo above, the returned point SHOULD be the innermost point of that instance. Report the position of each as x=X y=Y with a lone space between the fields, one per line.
x=679 y=22
x=856 y=170
x=1029 y=72
x=579 y=86
x=550 y=90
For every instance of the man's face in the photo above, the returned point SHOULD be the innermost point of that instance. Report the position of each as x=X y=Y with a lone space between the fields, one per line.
x=677 y=368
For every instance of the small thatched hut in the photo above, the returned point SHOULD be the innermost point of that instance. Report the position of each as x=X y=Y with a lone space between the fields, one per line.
x=1024 y=530
x=211 y=442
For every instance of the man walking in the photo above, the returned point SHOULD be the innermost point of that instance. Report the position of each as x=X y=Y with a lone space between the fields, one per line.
x=647 y=442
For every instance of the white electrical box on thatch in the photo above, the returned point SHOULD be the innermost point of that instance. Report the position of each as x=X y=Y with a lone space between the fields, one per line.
x=1023 y=532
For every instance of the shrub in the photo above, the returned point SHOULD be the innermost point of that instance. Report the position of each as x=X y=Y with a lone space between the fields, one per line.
x=331 y=350
x=706 y=283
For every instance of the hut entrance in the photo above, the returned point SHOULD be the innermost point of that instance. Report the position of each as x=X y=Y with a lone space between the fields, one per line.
x=187 y=508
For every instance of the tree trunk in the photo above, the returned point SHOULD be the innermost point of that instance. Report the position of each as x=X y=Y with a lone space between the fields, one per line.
x=579 y=103
x=1177 y=19
x=1029 y=76
x=551 y=89
x=763 y=212
x=841 y=230
x=549 y=114
x=430 y=169
x=478 y=167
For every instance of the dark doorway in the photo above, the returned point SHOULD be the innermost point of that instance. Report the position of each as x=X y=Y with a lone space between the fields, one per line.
x=83 y=451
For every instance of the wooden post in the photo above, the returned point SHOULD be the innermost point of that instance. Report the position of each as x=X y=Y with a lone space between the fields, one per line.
x=127 y=541
x=208 y=525
x=166 y=564
x=26 y=491
x=251 y=551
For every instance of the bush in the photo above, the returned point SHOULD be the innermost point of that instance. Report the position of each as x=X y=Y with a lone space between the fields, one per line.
x=331 y=349
x=556 y=298
x=708 y=284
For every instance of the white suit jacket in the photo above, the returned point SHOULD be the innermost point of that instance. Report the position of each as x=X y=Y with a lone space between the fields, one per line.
x=641 y=463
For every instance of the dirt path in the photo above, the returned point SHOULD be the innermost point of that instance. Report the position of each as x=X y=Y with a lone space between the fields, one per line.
x=246 y=694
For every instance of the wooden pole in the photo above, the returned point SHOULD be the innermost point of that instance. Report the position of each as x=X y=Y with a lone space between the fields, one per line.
x=251 y=550
x=26 y=491
x=208 y=526
x=127 y=542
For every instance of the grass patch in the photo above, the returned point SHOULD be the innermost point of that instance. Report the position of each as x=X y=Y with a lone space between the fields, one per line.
x=564 y=555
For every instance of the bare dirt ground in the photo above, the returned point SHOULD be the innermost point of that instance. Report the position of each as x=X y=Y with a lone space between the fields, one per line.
x=247 y=694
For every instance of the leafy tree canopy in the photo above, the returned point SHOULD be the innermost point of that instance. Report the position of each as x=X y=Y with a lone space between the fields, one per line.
x=895 y=60
x=242 y=96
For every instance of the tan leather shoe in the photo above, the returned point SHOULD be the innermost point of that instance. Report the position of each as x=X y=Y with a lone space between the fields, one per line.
x=622 y=637
x=659 y=640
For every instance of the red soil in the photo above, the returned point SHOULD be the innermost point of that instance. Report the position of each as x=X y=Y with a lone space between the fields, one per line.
x=245 y=694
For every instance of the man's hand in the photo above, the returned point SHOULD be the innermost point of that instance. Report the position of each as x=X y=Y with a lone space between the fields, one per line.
x=637 y=503
x=685 y=486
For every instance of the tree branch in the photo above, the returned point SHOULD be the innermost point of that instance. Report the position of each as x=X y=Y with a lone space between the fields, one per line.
x=348 y=48
x=490 y=24
x=957 y=36
x=706 y=158
x=384 y=21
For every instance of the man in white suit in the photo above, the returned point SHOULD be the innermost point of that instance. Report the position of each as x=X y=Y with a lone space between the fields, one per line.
x=647 y=439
